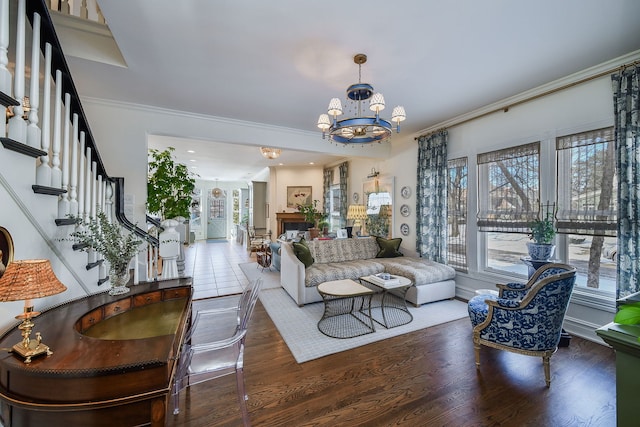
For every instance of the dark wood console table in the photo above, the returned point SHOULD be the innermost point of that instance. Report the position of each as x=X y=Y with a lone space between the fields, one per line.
x=113 y=362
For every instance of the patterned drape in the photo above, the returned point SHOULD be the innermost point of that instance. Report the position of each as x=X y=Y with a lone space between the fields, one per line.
x=626 y=100
x=344 y=174
x=431 y=197
x=326 y=191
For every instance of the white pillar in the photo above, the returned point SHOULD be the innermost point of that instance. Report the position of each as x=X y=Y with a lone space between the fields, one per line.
x=5 y=74
x=56 y=172
x=109 y=200
x=17 y=125
x=34 y=139
x=43 y=172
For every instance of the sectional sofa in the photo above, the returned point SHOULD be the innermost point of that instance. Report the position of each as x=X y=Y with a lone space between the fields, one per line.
x=353 y=258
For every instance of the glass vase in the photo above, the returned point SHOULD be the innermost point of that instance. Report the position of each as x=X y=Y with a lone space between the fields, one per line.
x=119 y=277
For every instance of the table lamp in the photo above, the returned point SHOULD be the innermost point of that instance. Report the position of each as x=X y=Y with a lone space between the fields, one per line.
x=27 y=280
x=357 y=213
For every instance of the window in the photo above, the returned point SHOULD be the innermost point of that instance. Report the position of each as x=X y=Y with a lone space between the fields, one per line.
x=508 y=200
x=334 y=208
x=457 y=211
x=587 y=205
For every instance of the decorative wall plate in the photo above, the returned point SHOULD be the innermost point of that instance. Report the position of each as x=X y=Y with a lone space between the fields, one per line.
x=355 y=197
x=404 y=229
x=405 y=210
x=405 y=192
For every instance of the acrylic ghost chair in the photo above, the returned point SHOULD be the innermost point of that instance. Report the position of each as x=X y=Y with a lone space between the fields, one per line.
x=529 y=325
x=214 y=347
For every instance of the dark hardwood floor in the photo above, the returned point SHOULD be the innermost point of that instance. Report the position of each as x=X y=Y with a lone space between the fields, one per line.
x=424 y=378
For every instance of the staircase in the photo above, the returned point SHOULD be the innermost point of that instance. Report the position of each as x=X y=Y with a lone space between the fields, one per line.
x=50 y=166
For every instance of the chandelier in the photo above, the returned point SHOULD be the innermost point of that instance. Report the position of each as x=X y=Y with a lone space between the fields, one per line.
x=270 y=153
x=359 y=129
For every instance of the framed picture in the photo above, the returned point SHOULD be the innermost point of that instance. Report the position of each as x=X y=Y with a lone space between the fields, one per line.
x=298 y=196
x=341 y=233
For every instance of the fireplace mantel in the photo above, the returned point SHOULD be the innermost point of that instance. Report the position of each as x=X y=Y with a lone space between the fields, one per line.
x=286 y=217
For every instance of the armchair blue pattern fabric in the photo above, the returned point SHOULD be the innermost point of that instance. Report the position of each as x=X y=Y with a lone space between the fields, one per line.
x=529 y=325
x=517 y=290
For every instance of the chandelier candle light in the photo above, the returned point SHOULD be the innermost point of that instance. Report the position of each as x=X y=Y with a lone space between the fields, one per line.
x=359 y=129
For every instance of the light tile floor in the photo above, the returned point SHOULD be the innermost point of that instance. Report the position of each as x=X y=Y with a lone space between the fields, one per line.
x=213 y=265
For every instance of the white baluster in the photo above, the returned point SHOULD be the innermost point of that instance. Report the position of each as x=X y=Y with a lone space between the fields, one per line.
x=102 y=269
x=88 y=187
x=5 y=74
x=64 y=202
x=100 y=195
x=81 y=179
x=63 y=7
x=109 y=200
x=89 y=213
x=73 y=174
x=43 y=173
x=34 y=138
x=94 y=189
x=56 y=172
x=17 y=125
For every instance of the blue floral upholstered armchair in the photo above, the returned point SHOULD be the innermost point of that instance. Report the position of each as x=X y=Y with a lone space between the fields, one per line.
x=524 y=318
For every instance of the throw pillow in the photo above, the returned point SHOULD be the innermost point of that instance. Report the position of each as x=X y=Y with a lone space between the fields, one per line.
x=303 y=253
x=388 y=247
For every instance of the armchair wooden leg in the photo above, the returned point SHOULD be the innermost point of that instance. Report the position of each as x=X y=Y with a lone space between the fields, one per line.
x=476 y=348
x=547 y=369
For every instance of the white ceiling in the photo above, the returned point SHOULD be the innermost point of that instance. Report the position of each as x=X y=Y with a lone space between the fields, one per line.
x=279 y=62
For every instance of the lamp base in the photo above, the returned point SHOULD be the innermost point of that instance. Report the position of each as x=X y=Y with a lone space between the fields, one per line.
x=34 y=349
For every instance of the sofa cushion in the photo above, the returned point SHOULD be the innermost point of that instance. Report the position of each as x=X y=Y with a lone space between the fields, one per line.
x=420 y=271
x=389 y=248
x=324 y=272
x=338 y=250
x=302 y=252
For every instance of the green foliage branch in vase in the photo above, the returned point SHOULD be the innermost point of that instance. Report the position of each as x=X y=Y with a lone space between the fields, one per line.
x=170 y=185
x=115 y=245
x=543 y=230
x=311 y=213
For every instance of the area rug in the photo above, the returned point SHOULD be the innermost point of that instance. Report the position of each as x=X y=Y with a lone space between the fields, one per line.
x=298 y=325
x=252 y=271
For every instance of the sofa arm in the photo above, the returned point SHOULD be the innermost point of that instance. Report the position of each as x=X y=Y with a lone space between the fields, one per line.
x=292 y=274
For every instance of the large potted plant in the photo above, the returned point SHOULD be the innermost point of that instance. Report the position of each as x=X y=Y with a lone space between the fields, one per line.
x=170 y=185
x=542 y=233
x=115 y=245
x=311 y=215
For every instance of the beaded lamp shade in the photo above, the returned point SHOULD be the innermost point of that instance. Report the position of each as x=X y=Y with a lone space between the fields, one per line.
x=29 y=279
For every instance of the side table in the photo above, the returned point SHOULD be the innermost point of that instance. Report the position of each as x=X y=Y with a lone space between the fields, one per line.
x=389 y=306
x=347 y=309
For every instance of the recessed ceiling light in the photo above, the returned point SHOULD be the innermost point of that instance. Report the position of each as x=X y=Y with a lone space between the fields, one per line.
x=280 y=164
x=191 y=160
x=190 y=151
x=311 y=163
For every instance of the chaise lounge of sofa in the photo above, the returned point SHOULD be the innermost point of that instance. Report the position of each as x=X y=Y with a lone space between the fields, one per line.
x=353 y=258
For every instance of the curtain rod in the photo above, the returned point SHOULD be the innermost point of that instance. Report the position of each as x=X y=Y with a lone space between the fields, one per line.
x=534 y=97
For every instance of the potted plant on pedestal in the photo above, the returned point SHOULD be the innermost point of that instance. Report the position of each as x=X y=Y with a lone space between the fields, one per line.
x=170 y=185
x=542 y=233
